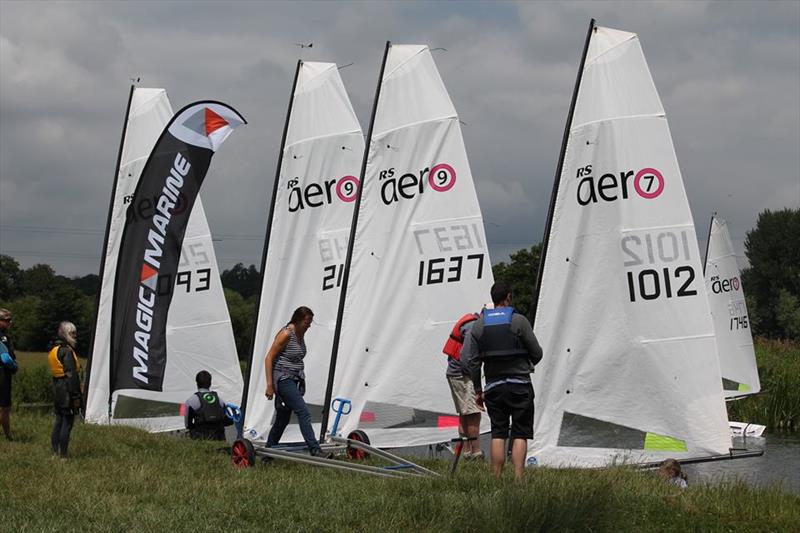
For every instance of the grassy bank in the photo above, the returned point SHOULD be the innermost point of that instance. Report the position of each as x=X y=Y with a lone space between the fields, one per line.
x=121 y=479
x=778 y=407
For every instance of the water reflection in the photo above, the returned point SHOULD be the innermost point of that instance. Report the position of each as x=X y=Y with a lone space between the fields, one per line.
x=779 y=464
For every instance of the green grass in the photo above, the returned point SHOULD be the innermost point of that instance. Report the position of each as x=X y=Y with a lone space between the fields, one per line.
x=31 y=360
x=778 y=406
x=32 y=383
x=123 y=479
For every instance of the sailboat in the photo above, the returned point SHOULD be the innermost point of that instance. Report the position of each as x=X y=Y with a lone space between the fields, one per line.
x=737 y=356
x=306 y=240
x=199 y=333
x=630 y=371
x=417 y=260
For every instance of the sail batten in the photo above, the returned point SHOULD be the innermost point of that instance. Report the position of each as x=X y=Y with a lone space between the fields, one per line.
x=418 y=260
x=198 y=329
x=729 y=309
x=630 y=370
x=315 y=188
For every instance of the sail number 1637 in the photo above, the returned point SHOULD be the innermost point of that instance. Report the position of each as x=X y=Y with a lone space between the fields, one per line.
x=448 y=269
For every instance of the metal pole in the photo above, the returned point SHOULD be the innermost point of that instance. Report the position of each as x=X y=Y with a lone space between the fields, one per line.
x=708 y=242
x=708 y=459
x=348 y=260
x=557 y=180
x=103 y=257
x=266 y=243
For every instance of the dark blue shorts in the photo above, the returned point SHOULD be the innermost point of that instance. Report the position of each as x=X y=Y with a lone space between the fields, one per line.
x=511 y=402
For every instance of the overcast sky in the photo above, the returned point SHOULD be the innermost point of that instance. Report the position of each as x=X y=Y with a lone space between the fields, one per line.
x=728 y=74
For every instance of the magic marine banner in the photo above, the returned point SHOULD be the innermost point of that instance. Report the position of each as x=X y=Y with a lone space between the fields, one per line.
x=150 y=249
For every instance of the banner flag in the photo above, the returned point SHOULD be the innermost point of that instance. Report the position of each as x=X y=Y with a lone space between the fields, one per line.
x=150 y=248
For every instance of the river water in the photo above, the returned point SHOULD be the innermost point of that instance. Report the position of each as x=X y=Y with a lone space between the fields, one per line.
x=779 y=464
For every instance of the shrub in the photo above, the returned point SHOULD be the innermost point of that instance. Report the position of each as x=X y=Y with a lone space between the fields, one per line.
x=32 y=384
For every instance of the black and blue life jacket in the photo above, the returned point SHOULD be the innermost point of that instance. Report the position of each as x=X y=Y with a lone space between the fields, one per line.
x=501 y=348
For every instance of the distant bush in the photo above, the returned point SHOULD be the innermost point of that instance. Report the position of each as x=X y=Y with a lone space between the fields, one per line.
x=778 y=406
x=32 y=384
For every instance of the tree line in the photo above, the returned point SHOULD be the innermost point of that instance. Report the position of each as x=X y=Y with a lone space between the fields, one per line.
x=40 y=298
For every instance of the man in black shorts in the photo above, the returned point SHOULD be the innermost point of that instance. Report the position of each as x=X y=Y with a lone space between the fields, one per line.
x=507 y=350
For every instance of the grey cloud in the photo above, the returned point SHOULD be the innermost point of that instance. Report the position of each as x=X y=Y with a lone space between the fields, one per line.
x=728 y=74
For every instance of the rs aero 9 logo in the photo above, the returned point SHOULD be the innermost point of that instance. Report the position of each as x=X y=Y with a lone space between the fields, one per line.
x=395 y=186
x=647 y=183
x=319 y=194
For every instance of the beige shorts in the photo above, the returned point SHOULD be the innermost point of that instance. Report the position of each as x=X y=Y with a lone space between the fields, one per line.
x=463 y=395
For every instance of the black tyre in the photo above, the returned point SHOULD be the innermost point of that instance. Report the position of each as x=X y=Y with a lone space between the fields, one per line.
x=243 y=454
x=357 y=453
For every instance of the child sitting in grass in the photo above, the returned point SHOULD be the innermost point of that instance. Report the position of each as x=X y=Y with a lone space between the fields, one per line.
x=671 y=470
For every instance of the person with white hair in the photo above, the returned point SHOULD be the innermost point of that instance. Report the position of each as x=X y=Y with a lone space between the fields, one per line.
x=67 y=396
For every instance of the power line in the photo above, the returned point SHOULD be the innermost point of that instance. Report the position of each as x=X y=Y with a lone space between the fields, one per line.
x=49 y=229
x=83 y=231
x=24 y=253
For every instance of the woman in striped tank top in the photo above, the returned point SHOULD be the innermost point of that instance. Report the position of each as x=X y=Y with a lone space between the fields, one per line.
x=286 y=380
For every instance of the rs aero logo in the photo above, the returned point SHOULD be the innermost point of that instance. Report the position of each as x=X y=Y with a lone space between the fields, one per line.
x=440 y=177
x=725 y=285
x=319 y=194
x=647 y=183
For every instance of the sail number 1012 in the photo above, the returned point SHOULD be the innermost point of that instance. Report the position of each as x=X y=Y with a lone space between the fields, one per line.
x=651 y=249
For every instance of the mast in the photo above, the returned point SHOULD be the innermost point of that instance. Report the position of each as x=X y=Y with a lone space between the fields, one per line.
x=105 y=250
x=266 y=239
x=708 y=241
x=559 y=170
x=348 y=259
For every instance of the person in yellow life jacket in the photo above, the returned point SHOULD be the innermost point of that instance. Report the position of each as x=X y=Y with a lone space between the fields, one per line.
x=67 y=395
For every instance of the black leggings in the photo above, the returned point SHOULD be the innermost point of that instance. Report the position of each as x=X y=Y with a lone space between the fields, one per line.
x=59 y=439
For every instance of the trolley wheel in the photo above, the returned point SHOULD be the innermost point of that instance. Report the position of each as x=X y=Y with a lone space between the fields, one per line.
x=243 y=454
x=357 y=453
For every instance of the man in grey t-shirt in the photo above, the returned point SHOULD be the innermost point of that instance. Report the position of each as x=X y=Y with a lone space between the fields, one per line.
x=506 y=349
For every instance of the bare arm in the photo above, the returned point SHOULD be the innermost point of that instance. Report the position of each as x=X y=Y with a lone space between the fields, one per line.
x=281 y=339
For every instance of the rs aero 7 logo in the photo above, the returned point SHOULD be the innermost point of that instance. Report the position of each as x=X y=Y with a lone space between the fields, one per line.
x=395 y=186
x=647 y=183
x=319 y=194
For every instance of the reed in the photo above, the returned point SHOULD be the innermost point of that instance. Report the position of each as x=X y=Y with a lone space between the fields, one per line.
x=123 y=479
x=778 y=406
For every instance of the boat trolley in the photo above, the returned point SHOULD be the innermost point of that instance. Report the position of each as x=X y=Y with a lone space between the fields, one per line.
x=355 y=447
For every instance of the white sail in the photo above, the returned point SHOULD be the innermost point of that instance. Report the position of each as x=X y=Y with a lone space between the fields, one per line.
x=630 y=369
x=419 y=260
x=737 y=358
x=312 y=213
x=199 y=334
